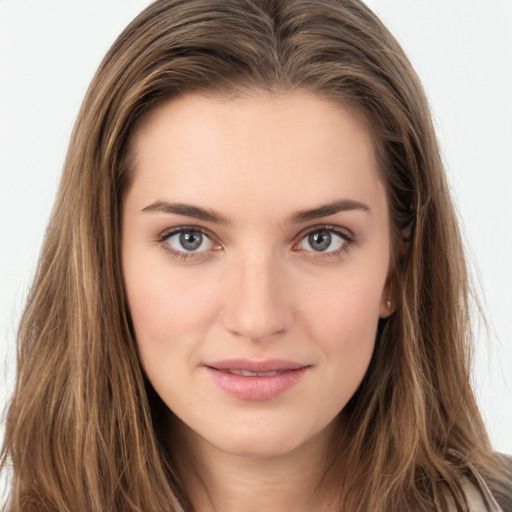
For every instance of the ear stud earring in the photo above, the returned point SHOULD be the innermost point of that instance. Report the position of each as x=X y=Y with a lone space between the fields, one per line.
x=388 y=303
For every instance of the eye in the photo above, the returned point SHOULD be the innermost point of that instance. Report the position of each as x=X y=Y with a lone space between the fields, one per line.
x=189 y=241
x=184 y=242
x=325 y=240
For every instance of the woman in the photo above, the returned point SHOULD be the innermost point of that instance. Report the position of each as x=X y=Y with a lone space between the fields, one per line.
x=252 y=291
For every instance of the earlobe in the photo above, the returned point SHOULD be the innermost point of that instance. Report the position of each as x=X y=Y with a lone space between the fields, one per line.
x=388 y=300
x=387 y=307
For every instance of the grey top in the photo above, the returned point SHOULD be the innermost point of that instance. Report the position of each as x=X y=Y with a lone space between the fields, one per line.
x=480 y=500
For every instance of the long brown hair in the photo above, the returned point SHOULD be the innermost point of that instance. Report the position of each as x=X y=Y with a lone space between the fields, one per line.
x=84 y=428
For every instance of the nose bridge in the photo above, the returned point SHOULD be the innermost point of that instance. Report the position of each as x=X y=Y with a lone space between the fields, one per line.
x=255 y=306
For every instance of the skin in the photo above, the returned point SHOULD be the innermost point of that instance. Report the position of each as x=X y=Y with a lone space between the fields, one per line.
x=256 y=288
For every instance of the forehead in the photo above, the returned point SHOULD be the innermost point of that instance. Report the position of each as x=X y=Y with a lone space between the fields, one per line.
x=281 y=147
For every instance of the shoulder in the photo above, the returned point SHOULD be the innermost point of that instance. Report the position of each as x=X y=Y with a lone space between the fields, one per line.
x=490 y=494
x=480 y=499
x=483 y=496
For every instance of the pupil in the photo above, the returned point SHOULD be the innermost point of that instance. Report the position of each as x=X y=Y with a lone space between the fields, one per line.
x=191 y=241
x=320 y=240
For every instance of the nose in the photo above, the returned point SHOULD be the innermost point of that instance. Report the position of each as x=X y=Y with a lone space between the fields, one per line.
x=256 y=304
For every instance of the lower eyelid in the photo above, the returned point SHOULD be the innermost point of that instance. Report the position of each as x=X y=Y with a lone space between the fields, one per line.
x=185 y=255
x=177 y=255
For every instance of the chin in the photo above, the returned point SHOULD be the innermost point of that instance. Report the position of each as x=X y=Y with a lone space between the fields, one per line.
x=265 y=440
x=263 y=447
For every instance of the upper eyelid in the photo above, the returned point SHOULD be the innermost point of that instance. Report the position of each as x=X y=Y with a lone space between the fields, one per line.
x=166 y=233
x=347 y=233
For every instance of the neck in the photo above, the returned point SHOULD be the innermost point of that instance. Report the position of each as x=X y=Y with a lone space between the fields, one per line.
x=216 y=481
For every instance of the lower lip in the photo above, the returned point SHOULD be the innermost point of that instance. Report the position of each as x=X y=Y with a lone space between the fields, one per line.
x=257 y=388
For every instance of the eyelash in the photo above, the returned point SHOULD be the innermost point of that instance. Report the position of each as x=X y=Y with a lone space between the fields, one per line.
x=182 y=255
x=348 y=241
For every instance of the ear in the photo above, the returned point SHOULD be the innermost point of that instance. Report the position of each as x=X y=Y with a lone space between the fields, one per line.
x=387 y=301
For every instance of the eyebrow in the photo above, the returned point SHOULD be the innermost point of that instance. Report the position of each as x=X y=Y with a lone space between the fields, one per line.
x=187 y=210
x=342 y=205
x=196 y=212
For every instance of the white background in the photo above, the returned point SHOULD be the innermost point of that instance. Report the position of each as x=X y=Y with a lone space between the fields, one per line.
x=462 y=50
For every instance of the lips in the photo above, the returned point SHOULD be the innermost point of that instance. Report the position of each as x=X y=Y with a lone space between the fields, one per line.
x=247 y=373
x=256 y=380
x=269 y=365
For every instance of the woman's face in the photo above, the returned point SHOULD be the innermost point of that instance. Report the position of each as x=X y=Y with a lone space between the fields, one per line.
x=256 y=254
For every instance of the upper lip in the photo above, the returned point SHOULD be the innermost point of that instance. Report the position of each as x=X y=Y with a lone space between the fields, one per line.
x=269 y=365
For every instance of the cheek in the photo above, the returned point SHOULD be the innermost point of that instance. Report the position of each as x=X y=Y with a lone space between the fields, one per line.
x=166 y=305
x=347 y=304
x=171 y=313
x=343 y=320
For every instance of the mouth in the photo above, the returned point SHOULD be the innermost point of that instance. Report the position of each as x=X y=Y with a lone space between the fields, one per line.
x=248 y=373
x=256 y=380
x=255 y=368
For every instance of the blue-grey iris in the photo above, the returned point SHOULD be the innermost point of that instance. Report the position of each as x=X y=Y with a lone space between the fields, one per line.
x=191 y=241
x=320 y=240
